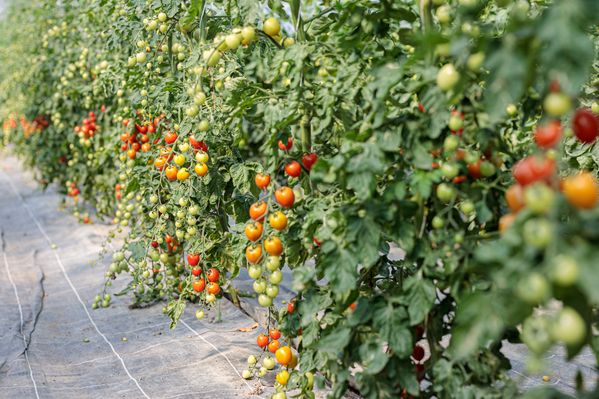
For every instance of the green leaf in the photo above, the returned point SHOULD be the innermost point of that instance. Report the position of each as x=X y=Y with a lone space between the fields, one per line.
x=374 y=359
x=175 y=309
x=421 y=296
x=138 y=249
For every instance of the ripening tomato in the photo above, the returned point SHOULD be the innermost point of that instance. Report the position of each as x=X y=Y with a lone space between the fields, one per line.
x=278 y=220
x=283 y=355
x=199 y=285
x=585 y=125
x=144 y=138
x=262 y=340
x=308 y=160
x=273 y=346
x=293 y=169
x=145 y=147
x=474 y=169
x=549 y=135
x=285 y=197
x=257 y=210
x=171 y=172
x=253 y=253
x=262 y=181
x=581 y=190
x=514 y=197
x=273 y=246
x=253 y=231
x=213 y=288
x=125 y=136
x=506 y=221
x=170 y=137
x=274 y=333
x=213 y=275
x=136 y=147
x=159 y=163
x=132 y=154
x=289 y=145
x=193 y=259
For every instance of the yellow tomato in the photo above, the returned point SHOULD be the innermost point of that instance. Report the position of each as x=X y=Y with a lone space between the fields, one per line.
x=179 y=159
x=183 y=174
x=282 y=377
x=271 y=27
x=201 y=169
x=202 y=157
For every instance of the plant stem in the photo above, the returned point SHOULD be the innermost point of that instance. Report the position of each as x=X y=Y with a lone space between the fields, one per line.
x=296 y=7
x=306 y=134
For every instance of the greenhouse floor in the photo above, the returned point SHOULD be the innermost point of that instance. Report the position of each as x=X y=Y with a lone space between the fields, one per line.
x=46 y=319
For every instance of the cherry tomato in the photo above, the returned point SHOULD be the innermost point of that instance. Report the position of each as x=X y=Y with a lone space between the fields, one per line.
x=289 y=145
x=549 y=135
x=253 y=253
x=514 y=197
x=581 y=190
x=278 y=220
x=196 y=271
x=273 y=346
x=199 y=285
x=283 y=355
x=170 y=137
x=171 y=172
x=585 y=125
x=262 y=340
x=262 y=181
x=274 y=333
x=273 y=246
x=213 y=288
x=258 y=209
x=285 y=197
x=308 y=160
x=253 y=231
x=193 y=259
x=293 y=169
x=125 y=136
x=132 y=154
x=213 y=275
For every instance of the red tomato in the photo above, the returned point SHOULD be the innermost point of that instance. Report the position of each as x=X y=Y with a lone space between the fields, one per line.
x=289 y=145
x=118 y=195
x=317 y=242
x=285 y=197
x=273 y=346
x=136 y=146
x=124 y=146
x=532 y=169
x=199 y=285
x=352 y=306
x=196 y=271
x=213 y=288
x=293 y=169
x=474 y=169
x=290 y=306
x=274 y=333
x=125 y=122
x=262 y=340
x=308 y=160
x=418 y=353
x=103 y=108
x=154 y=244
x=125 y=136
x=170 y=137
x=258 y=209
x=151 y=128
x=143 y=129
x=548 y=136
x=117 y=187
x=193 y=259
x=77 y=129
x=212 y=275
x=585 y=125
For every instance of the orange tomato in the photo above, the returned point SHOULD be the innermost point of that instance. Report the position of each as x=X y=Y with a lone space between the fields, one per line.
x=171 y=172
x=253 y=253
x=514 y=197
x=273 y=346
x=213 y=288
x=253 y=231
x=262 y=181
x=183 y=174
x=257 y=211
x=201 y=169
x=581 y=190
x=506 y=221
x=199 y=285
x=273 y=246
x=132 y=154
x=474 y=169
x=159 y=163
x=284 y=355
x=285 y=197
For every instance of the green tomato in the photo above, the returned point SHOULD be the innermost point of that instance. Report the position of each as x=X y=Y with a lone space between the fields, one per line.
x=595 y=108
x=146 y=273
x=246 y=374
x=255 y=271
x=438 y=222
x=512 y=110
x=534 y=288
x=155 y=255
x=538 y=197
x=569 y=327
x=447 y=77
x=164 y=257
x=557 y=104
x=272 y=291
x=193 y=210
x=275 y=277
x=455 y=123
x=210 y=298
x=200 y=314
x=471 y=157
x=444 y=192
x=445 y=14
x=310 y=378
x=451 y=143
x=118 y=256
x=203 y=125
x=264 y=300
x=450 y=170
x=252 y=359
x=565 y=270
x=259 y=285
x=538 y=233
x=162 y=209
x=272 y=263
x=475 y=61
x=536 y=334
x=487 y=169
x=467 y=207
x=269 y=362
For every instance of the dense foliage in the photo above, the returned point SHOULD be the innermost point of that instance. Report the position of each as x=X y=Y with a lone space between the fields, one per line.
x=325 y=135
